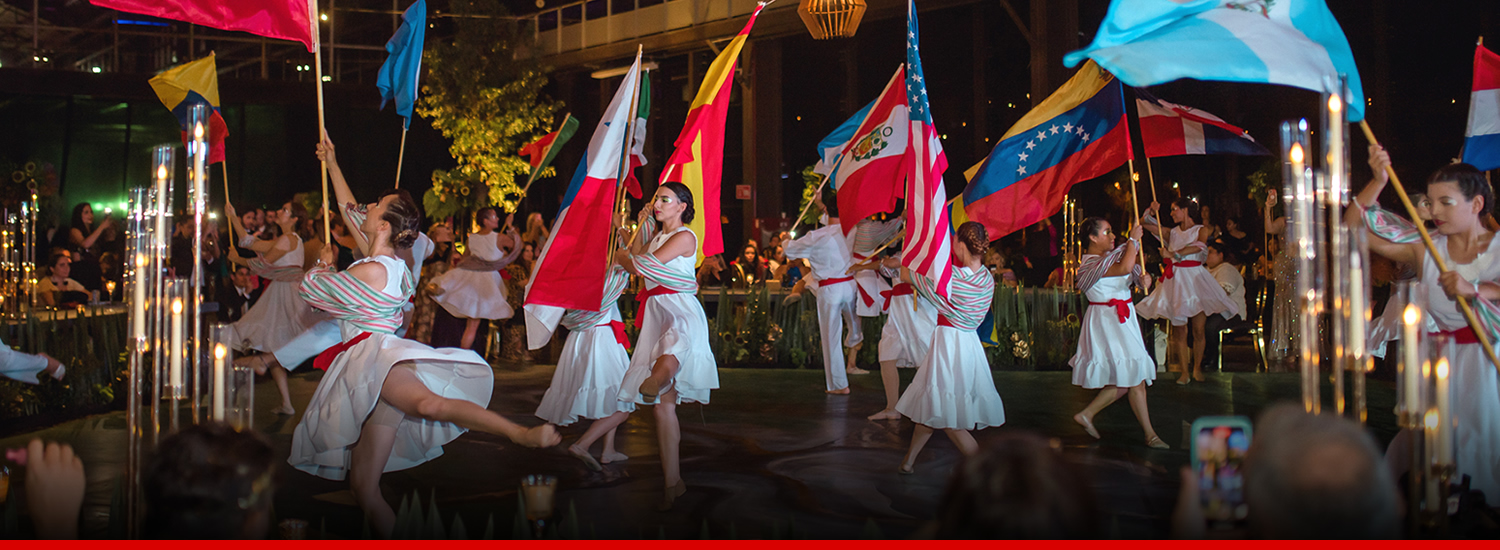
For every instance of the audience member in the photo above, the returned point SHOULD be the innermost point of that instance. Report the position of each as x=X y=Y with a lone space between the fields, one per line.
x=536 y=230
x=711 y=273
x=1017 y=487
x=84 y=240
x=210 y=481
x=1223 y=263
x=748 y=268
x=57 y=289
x=236 y=297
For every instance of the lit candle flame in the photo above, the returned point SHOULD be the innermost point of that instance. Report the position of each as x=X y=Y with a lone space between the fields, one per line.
x=219 y=351
x=1442 y=368
x=1430 y=420
x=198 y=131
x=161 y=172
x=1335 y=103
x=177 y=306
x=1297 y=154
x=1411 y=314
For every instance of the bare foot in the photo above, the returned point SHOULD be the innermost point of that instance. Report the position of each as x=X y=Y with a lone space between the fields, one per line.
x=285 y=410
x=611 y=457
x=1197 y=376
x=1087 y=423
x=671 y=495
x=583 y=454
x=1183 y=381
x=856 y=370
x=888 y=414
x=541 y=436
x=844 y=391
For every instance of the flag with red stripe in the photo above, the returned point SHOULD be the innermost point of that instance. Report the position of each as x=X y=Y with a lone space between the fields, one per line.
x=929 y=241
x=874 y=161
x=1170 y=129
x=284 y=19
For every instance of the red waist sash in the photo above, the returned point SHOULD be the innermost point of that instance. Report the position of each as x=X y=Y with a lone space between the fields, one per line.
x=323 y=360
x=1122 y=308
x=640 y=309
x=1461 y=336
x=1167 y=265
x=619 y=330
x=903 y=289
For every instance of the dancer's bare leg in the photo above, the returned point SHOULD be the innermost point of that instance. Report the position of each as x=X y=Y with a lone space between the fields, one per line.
x=669 y=439
x=471 y=329
x=266 y=364
x=964 y=440
x=1085 y=417
x=1182 y=352
x=610 y=455
x=1138 y=405
x=892 y=382
x=662 y=374
x=407 y=394
x=849 y=362
x=1200 y=340
x=919 y=437
x=601 y=427
x=366 y=464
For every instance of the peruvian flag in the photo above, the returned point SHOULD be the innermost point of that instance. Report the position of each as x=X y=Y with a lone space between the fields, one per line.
x=869 y=177
x=571 y=270
x=1170 y=129
x=929 y=241
x=1482 y=144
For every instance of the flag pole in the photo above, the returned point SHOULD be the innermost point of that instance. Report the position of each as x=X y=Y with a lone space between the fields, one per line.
x=624 y=168
x=816 y=194
x=1140 y=250
x=1437 y=258
x=532 y=178
x=224 y=164
x=312 y=20
x=400 y=156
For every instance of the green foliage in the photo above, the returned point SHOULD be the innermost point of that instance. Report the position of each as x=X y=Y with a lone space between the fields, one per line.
x=810 y=183
x=483 y=91
x=1267 y=177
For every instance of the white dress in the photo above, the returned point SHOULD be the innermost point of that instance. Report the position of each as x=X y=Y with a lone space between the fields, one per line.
x=349 y=395
x=278 y=316
x=673 y=324
x=907 y=335
x=476 y=294
x=587 y=380
x=1110 y=353
x=953 y=388
x=1190 y=291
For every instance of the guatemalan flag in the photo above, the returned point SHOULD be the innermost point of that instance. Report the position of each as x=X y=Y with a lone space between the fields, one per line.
x=1288 y=42
x=1078 y=132
x=833 y=145
x=873 y=163
x=571 y=270
x=1482 y=146
x=928 y=235
x=1170 y=129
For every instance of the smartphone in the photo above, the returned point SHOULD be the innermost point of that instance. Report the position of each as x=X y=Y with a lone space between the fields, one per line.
x=1219 y=447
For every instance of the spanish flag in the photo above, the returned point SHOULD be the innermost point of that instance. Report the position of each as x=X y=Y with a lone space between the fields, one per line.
x=194 y=83
x=698 y=161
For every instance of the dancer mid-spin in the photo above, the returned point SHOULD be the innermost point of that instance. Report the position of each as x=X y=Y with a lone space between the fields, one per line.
x=388 y=403
x=474 y=290
x=1187 y=293
x=906 y=338
x=953 y=390
x=586 y=383
x=1111 y=355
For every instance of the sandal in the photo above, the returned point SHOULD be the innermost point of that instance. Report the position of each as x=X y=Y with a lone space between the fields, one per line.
x=650 y=397
x=1157 y=443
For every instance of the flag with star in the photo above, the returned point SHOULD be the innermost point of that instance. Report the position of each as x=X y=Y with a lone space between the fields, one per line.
x=1078 y=133
x=928 y=235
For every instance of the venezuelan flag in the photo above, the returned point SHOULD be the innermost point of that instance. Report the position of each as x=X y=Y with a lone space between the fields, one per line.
x=194 y=83
x=1079 y=132
x=698 y=161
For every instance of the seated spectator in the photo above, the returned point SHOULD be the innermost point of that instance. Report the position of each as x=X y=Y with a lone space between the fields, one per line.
x=1017 y=487
x=210 y=481
x=711 y=273
x=237 y=297
x=56 y=289
x=1307 y=476
x=748 y=268
x=1224 y=265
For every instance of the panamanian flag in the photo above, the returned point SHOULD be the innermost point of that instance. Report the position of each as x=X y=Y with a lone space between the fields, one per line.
x=1170 y=129
x=1482 y=144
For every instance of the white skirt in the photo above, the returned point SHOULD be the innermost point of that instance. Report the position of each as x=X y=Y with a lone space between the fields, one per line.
x=276 y=318
x=1476 y=405
x=1111 y=353
x=673 y=324
x=473 y=294
x=1190 y=291
x=953 y=389
x=1387 y=327
x=907 y=335
x=587 y=380
x=350 y=392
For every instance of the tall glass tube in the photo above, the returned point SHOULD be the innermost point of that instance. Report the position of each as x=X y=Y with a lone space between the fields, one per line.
x=1334 y=191
x=157 y=247
x=1304 y=241
x=198 y=155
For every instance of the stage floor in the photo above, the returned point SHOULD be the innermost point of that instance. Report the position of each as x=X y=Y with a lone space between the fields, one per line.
x=771 y=456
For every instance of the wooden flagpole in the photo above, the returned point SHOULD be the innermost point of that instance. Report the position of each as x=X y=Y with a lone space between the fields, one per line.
x=624 y=168
x=400 y=156
x=312 y=20
x=816 y=195
x=224 y=164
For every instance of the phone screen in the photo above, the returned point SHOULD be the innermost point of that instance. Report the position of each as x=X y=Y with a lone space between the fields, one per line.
x=1221 y=456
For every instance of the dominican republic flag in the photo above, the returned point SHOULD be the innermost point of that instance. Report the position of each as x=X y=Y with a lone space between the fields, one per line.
x=869 y=177
x=1078 y=132
x=284 y=19
x=573 y=265
x=1289 y=42
x=833 y=145
x=1170 y=129
x=929 y=238
x=1482 y=146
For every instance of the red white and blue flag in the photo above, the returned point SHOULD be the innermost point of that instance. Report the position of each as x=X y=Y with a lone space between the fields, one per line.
x=1170 y=129
x=1482 y=141
x=571 y=270
x=928 y=234
x=869 y=177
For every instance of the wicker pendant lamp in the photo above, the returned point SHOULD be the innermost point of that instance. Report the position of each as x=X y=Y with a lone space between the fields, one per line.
x=827 y=19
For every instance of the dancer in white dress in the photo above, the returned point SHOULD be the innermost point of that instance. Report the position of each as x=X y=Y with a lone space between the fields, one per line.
x=586 y=383
x=474 y=290
x=673 y=363
x=1187 y=293
x=827 y=251
x=388 y=403
x=1460 y=197
x=953 y=390
x=906 y=338
x=280 y=314
x=1111 y=354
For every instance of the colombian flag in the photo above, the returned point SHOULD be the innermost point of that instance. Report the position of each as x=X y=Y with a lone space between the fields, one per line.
x=1078 y=133
x=194 y=83
x=698 y=161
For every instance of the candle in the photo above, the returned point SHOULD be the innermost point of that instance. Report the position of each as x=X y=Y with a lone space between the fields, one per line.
x=1411 y=373
x=219 y=377
x=175 y=374
x=138 y=304
x=1429 y=431
x=1444 y=416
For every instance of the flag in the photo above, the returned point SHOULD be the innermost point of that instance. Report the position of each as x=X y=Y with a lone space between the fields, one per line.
x=1077 y=133
x=397 y=79
x=874 y=162
x=929 y=241
x=1482 y=141
x=1290 y=42
x=698 y=162
x=1170 y=129
x=189 y=84
x=284 y=19
x=638 y=140
x=570 y=272
x=834 y=144
x=543 y=150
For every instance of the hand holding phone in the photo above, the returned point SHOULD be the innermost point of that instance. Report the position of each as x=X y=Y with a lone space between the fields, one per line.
x=1218 y=451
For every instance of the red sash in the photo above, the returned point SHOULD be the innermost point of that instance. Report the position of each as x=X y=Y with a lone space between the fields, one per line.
x=640 y=309
x=944 y=322
x=1461 y=336
x=1122 y=308
x=826 y=282
x=619 y=329
x=1167 y=264
x=903 y=289
x=863 y=295
x=323 y=360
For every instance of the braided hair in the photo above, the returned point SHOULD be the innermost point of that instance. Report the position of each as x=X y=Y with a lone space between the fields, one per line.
x=974 y=237
x=404 y=218
x=686 y=196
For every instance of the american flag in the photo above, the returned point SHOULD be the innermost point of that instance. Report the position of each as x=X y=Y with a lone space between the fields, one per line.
x=928 y=236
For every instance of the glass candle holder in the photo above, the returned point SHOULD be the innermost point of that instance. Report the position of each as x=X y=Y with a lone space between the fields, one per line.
x=538 y=491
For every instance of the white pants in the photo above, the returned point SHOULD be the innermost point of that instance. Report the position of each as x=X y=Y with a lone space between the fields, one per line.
x=309 y=344
x=835 y=303
x=21 y=367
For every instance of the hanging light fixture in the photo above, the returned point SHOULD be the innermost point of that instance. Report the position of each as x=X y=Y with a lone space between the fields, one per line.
x=827 y=19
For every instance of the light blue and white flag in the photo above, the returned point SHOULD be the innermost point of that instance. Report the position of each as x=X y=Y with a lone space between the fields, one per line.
x=397 y=79
x=1289 y=42
x=831 y=146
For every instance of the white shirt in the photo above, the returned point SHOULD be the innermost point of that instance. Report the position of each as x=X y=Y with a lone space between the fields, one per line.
x=825 y=250
x=1234 y=284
